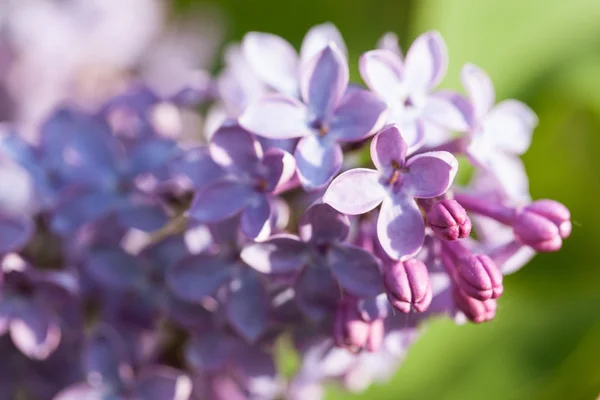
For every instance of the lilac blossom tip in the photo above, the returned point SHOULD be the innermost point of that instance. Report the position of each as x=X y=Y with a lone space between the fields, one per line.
x=475 y=310
x=543 y=225
x=407 y=285
x=353 y=333
x=449 y=220
x=479 y=277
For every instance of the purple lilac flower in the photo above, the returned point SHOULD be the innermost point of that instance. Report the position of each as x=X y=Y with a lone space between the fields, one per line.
x=407 y=86
x=328 y=115
x=14 y=233
x=99 y=175
x=323 y=264
x=109 y=374
x=499 y=133
x=252 y=179
x=30 y=307
x=395 y=183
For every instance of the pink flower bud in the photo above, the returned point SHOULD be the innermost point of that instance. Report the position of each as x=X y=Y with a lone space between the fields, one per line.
x=479 y=277
x=407 y=285
x=476 y=311
x=353 y=333
x=543 y=225
x=449 y=220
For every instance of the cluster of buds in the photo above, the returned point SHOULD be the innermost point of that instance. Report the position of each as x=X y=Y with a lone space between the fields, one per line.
x=173 y=269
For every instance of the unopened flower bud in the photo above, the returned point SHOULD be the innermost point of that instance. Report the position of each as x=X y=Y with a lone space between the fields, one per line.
x=353 y=333
x=543 y=225
x=479 y=277
x=407 y=285
x=475 y=310
x=449 y=220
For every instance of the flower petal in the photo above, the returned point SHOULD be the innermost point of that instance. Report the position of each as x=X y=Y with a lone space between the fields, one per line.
x=257 y=218
x=480 y=89
x=103 y=354
x=197 y=165
x=388 y=147
x=359 y=115
x=158 y=383
x=276 y=117
x=356 y=270
x=82 y=208
x=81 y=391
x=317 y=292
x=280 y=166
x=273 y=60
x=220 y=200
x=235 y=149
x=449 y=110
x=382 y=71
x=14 y=233
x=208 y=351
x=356 y=191
x=318 y=37
x=198 y=276
x=281 y=254
x=149 y=155
x=509 y=126
x=80 y=146
x=321 y=223
x=317 y=161
x=34 y=332
x=400 y=227
x=426 y=62
x=431 y=174
x=247 y=305
x=144 y=214
x=389 y=41
x=114 y=268
x=324 y=79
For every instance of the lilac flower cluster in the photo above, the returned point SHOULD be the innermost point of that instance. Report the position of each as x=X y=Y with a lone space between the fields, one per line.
x=149 y=267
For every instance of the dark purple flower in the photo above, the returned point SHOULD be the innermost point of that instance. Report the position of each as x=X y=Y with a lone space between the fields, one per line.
x=325 y=266
x=248 y=188
x=30 y=309
x=100 y=175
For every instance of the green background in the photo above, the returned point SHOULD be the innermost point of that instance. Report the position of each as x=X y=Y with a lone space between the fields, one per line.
x=545 y=340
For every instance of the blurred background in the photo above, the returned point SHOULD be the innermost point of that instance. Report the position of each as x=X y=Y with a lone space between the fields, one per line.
x=545 y=340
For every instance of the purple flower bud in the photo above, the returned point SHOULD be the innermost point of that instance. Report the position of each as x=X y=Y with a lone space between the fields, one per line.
x=475 y=310
x=479 y=277
x=543 y=225
x=449 y=220
x=353 y=333
x=407 y=285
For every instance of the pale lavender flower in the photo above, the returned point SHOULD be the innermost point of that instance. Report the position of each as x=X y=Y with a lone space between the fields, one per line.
x=396 y=183
x=277 y=64
x=407 y=88
x=499 y=133
x=327 y=116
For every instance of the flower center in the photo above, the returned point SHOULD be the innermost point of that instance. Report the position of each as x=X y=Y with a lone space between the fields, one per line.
x=261 y=185
x=397 y=173
x=321 y=127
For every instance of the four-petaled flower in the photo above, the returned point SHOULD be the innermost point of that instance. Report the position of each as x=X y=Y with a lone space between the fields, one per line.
x=329 y=114
x=406 y=86
x=395 y=183
x=325 y=267
x=249 y=185
x=498 y=134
